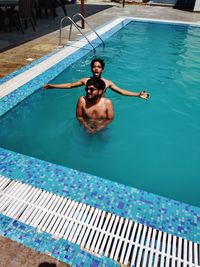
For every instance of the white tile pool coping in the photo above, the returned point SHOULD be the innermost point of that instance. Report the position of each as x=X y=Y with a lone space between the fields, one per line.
x=27 y=75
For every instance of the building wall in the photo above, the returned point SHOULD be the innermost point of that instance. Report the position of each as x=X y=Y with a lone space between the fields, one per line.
x=197 y=5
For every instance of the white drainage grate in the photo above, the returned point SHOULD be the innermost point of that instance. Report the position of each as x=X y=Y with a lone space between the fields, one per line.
x=97 y=231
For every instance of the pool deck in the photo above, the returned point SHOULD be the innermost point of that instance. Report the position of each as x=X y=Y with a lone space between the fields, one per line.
x=22 y=55
x=16 y=58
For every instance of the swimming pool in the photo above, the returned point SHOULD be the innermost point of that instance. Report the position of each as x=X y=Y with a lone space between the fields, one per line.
x=167 y=2
x=130 y=150
x=155 y=211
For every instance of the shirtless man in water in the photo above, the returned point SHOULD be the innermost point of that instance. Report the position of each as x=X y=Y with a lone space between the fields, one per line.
x=94 y=111
x=97 y=67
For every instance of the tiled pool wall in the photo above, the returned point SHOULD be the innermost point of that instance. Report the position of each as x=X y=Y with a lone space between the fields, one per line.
x=152 y=210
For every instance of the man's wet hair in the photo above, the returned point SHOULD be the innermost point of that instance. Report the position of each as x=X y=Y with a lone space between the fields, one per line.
x=101 y=61
x=97 y=83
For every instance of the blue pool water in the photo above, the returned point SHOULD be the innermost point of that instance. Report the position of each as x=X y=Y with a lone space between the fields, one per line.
x=151 y=145
x=171 y=2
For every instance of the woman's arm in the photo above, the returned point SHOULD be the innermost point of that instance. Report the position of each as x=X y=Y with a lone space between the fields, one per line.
x=123 y=92
x=66 y=85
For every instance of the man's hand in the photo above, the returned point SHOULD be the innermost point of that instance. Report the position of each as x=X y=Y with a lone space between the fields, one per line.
x=90 y=130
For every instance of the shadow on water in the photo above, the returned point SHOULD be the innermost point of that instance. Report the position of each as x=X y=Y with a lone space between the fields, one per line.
x=44 y=26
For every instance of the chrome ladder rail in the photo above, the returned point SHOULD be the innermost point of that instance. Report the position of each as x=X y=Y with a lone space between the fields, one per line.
x=79 y=29
x=91 y=28
x=72 y=22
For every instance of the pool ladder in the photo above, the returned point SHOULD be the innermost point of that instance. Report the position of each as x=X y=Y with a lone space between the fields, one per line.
x=78 y=27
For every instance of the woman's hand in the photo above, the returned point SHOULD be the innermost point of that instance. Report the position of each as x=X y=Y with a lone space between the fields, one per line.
x=144 y=95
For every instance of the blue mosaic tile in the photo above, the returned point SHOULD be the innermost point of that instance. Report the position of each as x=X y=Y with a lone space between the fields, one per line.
x=155 y=211
x=43 y=242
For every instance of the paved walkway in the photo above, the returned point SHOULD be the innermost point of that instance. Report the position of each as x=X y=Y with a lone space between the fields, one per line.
x=13 y=254
x=20 y=56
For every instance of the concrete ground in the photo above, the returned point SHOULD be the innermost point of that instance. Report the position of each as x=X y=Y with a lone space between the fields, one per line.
x=14 y=254
x=20 y=56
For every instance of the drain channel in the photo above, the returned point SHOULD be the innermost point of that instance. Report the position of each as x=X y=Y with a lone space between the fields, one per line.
x=95 y=230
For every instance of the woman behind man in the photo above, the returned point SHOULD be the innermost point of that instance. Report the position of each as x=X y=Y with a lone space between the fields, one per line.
x=97 y=67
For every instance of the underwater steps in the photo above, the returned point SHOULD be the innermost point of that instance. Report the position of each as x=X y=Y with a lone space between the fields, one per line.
x=94 y=230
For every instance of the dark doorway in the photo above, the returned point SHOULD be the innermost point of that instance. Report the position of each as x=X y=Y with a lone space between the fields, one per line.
x=185 y=4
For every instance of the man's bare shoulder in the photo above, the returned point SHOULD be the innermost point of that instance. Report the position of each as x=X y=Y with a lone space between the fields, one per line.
x=81 y=101
x=82 y=98
x=106 y=101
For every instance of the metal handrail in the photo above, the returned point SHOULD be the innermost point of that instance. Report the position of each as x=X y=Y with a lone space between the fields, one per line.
x=77 y=27
x=91 y=28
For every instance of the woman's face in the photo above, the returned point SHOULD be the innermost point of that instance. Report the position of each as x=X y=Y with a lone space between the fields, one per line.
x=97 y=69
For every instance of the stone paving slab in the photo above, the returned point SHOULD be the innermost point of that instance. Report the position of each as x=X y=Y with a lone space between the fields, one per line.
x=17 y=255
